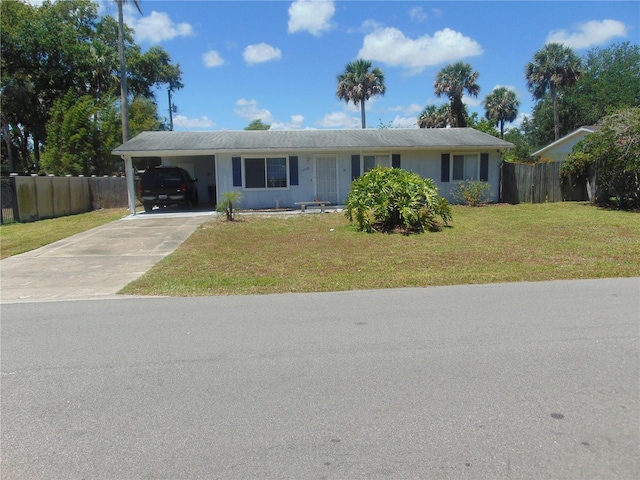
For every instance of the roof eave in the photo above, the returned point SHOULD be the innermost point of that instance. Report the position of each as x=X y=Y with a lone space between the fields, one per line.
x=189 y=153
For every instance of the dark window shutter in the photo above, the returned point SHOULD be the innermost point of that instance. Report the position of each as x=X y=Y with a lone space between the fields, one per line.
x=293 y=170
x=236 y=164
x=484 y=167
x=355 y=166
x=395 y=160
x=444 y=167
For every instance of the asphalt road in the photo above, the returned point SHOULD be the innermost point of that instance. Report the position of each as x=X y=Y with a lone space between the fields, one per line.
x=531 y=380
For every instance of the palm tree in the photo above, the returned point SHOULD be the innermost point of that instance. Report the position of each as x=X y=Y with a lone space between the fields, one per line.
x=358 y=83
x=501 y=106
x=553 y=67
x=452 y=81
x=434 y=117
x=124 y=108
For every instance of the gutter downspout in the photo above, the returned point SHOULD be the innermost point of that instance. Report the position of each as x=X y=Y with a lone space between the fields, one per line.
x=131 y=184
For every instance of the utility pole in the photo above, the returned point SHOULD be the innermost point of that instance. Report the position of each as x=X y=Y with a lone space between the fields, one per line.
x=170 y=111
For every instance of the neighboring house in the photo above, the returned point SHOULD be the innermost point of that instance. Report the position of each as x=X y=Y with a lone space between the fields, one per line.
x=559 y=150
x=277 y=168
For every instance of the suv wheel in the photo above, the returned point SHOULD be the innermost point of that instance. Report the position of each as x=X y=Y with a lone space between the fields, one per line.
x=147 y=207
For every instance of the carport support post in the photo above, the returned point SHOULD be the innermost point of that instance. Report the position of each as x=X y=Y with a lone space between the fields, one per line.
x=131 y=183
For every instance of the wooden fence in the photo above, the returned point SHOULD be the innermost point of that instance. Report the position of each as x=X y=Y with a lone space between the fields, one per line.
x=537 y=183
x=39 y=197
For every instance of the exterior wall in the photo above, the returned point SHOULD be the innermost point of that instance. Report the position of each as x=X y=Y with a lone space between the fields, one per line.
x=425 y=163
x=560 y=151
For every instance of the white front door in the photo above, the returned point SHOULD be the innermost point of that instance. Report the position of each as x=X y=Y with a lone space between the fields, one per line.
x=327 y=178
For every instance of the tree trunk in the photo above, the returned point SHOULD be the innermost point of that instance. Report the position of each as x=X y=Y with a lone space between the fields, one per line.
x=36 y=150
x=364 y=123
x=230 y=212
x=124 y=107
x=7 y=139
x=556 y=114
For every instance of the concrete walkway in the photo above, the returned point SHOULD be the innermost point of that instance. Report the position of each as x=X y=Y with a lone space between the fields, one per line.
x=99 y=262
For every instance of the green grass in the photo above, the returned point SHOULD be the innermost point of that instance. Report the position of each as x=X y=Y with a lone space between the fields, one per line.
x=18 y=238
x=312 y=253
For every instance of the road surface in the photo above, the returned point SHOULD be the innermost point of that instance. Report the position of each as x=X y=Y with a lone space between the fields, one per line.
x=529 y=380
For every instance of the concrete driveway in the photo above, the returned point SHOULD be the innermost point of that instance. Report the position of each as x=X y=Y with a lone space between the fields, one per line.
x=98 y=262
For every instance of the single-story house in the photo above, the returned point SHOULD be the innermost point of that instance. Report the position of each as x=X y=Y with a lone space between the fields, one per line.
x=278 y=168
x=559 y=150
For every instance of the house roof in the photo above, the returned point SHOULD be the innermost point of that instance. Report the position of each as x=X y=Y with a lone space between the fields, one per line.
x=202 y=143
x=582 y=131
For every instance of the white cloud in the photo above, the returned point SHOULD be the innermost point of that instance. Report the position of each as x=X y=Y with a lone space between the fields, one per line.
x=471 y=101
x=406 y=110
x=261 y=53
x=339 y=120
x=294 y=124
x=389 y=45
x=156 y=27
x=185 y=122
x=405 y=122
x=248 y=109
x=589 y=33
x=314 y=16
x=417 y=14
x=212 y=59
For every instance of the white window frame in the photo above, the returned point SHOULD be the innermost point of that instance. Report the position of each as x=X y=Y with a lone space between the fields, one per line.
x=266 y=170
x=377 y=157
x=467 y=160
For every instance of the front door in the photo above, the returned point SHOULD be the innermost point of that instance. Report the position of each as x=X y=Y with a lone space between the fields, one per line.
x=326 y=178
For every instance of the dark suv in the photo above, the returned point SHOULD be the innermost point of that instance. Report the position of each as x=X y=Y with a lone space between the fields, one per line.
x=163 y=186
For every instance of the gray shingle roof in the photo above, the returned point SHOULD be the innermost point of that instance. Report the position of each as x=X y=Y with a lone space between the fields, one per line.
x=194 y=143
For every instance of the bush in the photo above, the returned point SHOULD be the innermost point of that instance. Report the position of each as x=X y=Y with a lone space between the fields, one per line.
x=387 y=199
x=612 y=155
x=471 y=192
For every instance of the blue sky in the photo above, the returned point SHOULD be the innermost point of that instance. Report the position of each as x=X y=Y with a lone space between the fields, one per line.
x=278 y=60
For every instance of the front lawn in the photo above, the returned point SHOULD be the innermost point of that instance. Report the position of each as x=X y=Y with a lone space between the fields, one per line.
x=323 y=252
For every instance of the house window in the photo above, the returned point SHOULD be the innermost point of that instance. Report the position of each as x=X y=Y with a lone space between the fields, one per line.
x=369 y=162
x=465 y=167
x=265 y=172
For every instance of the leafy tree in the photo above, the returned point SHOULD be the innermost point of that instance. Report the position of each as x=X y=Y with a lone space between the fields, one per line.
x=72 y=136
x=554 y=67
x=257 y=125
x=358 y=83
x=482 y=125
x=44 y=51
x=501 y=106
x=435 y=117
x=610 y=80
x=612 y=155
x=453 y=81
x=143 y=116
x=152 y=69
x=386 y=199
x=523 y=149
x=58 y=47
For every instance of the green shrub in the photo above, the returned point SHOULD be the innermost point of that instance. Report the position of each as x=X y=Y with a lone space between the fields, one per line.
x=387 y=199
x=612 y=155
x=471 y=192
